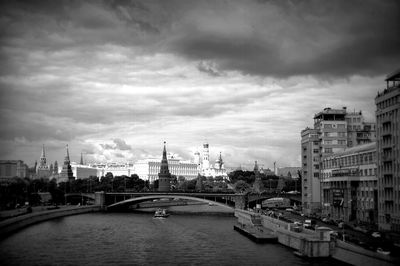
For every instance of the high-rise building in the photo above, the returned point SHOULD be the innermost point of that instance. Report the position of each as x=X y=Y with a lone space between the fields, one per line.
x=66 y=172
x=43 y=170
x=388 y=153
x=164 y=177
x=329 y=136
x=310 y=196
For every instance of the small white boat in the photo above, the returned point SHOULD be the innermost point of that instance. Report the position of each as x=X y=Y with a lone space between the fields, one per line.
x=161 y=213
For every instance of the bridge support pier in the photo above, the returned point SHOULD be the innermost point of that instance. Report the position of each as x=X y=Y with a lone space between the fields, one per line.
x=100 y=199
x=240 y=202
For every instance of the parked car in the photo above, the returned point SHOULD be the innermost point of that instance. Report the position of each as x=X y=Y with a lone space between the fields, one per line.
x=298 y=223
x=376 y=234
x=309 y=224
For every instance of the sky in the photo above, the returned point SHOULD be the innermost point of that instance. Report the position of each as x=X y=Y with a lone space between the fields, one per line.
x=115 y=79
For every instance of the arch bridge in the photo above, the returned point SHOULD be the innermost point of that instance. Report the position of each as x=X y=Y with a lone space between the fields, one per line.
x=113 y=201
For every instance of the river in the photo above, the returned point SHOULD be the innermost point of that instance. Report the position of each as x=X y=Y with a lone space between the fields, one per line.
x=138 y=239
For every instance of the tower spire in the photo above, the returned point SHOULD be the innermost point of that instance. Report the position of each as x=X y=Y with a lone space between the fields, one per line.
x=81 y=162
x=66 y=172
x=164 y=175
x=67 y=154
x=43 y=153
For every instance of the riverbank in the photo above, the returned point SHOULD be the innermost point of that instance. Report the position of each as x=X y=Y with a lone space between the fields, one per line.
x=13 y=224
x=314 y=244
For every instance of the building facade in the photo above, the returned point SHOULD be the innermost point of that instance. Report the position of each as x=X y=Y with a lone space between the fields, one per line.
x=349 y=185
x=329 y=136
x=310 y=196
x=84 y=171
x=12 y=168
x=148 y=169
x=117 y=169
x=206 y=168
x=359 y=131
x=388 y=153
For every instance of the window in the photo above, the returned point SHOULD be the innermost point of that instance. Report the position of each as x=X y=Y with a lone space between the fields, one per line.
x=316 y=166
x=316 y=174
x=341 y=142
x=327 y=126
x=316 y=143
x=328 y=141
x=315 y=150
x=342 y=134
x=328 y=150
x=341 y=126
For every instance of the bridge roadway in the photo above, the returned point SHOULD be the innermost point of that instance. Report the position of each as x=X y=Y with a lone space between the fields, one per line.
x=231 y=200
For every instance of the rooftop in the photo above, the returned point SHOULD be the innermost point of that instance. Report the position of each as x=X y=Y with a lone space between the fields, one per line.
x=393 y=76
x=329 y=111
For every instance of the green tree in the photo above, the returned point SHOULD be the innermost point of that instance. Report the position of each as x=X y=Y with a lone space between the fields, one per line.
x=241 y=186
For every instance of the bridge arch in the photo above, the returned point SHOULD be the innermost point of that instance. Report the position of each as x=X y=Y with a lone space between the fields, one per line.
x=152 y=197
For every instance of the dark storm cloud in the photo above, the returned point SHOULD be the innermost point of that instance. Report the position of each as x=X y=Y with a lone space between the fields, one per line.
x=269 y=38
x=286 y=38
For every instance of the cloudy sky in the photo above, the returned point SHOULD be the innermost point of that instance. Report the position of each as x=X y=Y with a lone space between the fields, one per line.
x=114 y=79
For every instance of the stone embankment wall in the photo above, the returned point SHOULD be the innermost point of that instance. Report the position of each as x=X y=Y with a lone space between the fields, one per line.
x=307 y=242
x=360 y=256
x=13 y=224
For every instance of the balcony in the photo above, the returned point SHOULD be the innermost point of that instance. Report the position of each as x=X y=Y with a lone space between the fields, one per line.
x=387 y=171
x=387 y=120
x=387 y=157
x=386 y=132
x=387 y=143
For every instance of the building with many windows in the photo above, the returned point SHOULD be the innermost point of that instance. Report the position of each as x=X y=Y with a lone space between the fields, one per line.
x=311 y=196
x=388 y=153
x=349 y=184
x=329 y=136
x=12 y=168
x=359 y=131
x=148 y=169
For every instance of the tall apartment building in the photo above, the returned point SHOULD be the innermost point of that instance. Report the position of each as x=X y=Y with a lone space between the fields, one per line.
x=329 y=135
x=388 y=153
x=310 y=196
x=349 y=184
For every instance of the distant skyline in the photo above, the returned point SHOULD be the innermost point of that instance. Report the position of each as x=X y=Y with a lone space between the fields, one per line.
x=114 y=79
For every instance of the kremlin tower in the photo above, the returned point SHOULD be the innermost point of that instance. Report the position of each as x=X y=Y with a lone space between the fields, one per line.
x=66 y=172
x=164 y=176
x=43 y=170
x=258 y=185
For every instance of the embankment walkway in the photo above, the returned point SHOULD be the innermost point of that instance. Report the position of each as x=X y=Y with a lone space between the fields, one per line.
x=11 y=225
